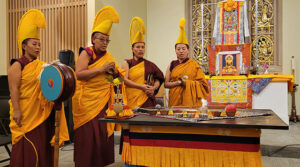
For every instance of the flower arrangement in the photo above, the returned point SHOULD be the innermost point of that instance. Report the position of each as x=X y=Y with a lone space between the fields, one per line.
x=117 y=109
x=116 y=81
x=265 y=68
x=126 y=111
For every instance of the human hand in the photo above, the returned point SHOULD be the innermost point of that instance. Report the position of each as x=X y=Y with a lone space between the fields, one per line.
x=17 y=117
x=183 y=82
x=145 y=87
x=150 y=91
x=108 y=67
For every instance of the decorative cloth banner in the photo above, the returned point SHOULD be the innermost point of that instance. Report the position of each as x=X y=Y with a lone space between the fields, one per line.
x=231 y=26
x=191 y=146
x=230 y=90
x=259 y=84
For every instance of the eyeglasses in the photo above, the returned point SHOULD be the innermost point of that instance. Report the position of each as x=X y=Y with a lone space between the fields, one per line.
x=103 y=40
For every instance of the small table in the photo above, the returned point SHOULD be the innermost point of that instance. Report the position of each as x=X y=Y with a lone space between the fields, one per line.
x=153 y=141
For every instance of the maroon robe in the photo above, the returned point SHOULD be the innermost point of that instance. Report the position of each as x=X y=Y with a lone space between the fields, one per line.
x=175 y=63
x=23 y=61
x=92 y=147
x=23 y=153
x=150 y=68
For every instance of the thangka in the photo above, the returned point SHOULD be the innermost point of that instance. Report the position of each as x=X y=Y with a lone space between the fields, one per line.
x=228 y=91
x=231 y=26
x=229 y=59
x=260 y=84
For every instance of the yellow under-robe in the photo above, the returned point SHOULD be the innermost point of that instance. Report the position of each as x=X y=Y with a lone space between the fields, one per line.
x=196 y=86
x=92 y=95
x=35 y=108
x=136 y=97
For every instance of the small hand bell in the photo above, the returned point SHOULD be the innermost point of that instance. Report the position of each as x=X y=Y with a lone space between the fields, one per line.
x=185 y=77
x=118 y=107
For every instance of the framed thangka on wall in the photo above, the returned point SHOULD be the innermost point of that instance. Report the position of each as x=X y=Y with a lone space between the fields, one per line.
x=228 y=63
x=229 y=59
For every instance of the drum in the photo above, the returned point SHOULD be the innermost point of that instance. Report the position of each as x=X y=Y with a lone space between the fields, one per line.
x=58 y=82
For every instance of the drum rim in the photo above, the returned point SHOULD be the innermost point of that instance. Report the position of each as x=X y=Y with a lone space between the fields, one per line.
x=69 y=70
x=75 y=79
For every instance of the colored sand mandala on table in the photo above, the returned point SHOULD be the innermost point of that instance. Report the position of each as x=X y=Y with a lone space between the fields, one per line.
x=196 y=116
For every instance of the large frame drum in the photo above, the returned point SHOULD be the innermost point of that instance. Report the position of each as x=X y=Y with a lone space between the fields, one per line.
x=58 y=83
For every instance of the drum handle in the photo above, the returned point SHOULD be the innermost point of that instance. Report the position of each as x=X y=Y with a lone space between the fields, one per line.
x=57 y=106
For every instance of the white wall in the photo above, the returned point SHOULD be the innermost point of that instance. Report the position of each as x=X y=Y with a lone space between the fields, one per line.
x=120 y=46
x=3 y=60
x=163 y=29
x=290 y=35
x=91 y=15
x=290 y=41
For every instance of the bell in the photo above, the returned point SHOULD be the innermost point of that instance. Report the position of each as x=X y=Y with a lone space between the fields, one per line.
x=118 y=107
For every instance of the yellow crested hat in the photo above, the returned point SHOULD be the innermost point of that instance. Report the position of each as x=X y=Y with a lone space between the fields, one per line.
x=137 y=30
x=29 y=26
x=104 y=19
x=182 y=37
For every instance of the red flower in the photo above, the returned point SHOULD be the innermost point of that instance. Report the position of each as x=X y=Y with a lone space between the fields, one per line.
x=125 y=107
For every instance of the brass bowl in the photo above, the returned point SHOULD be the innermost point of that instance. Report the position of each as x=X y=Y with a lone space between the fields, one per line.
x=216 y=113
x=230 y=114
x=152 y=112
x=164 y=112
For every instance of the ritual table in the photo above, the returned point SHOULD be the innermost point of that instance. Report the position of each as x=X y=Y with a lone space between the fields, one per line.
x=155 y=141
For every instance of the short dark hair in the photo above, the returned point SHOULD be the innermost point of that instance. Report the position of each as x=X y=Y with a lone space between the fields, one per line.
x=25 y=41
x=187 y=46
x=95 y=35
x=132 y=46
x=135 y=43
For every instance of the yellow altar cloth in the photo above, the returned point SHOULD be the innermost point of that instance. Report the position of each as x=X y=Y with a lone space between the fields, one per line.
x=275 y=78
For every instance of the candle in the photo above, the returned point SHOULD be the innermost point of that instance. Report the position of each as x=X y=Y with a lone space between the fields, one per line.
x=293 y=63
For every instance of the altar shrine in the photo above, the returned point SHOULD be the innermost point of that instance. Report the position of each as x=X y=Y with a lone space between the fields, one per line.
x=252 y=91
x=235 y=74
